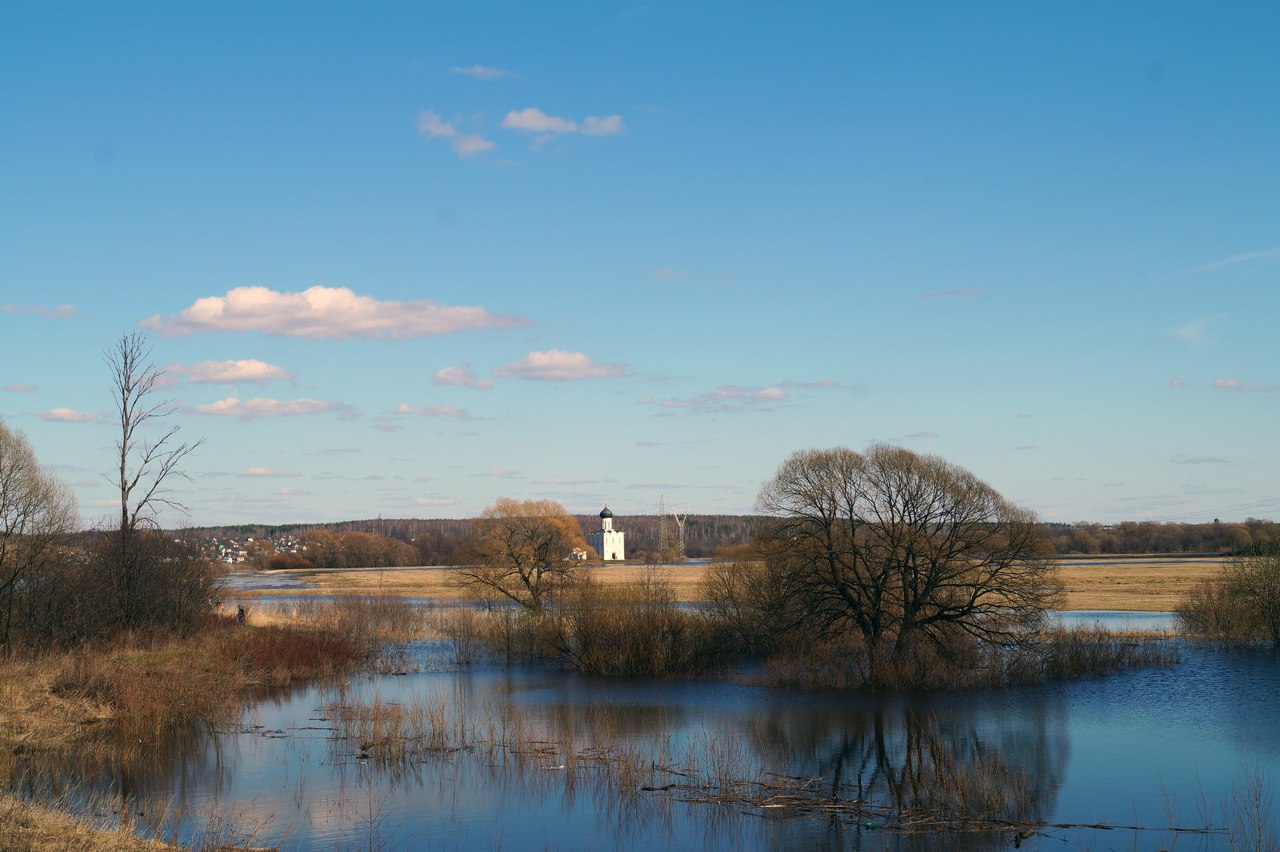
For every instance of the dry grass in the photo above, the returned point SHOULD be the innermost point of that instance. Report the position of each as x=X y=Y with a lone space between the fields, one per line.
x=1145 y=584
x=136 y=687
x=27 y=826
x=436 y=582
x=34 y=716
x=1139 y=583
x=366 y=620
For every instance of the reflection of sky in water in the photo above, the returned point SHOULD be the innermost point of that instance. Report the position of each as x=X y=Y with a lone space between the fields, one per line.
x=1098 y=750
x=249 y=581
x=1122 y=621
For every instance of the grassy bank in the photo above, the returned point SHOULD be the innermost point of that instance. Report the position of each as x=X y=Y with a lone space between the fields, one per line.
x=1147 y=584
x=116 y=700
x=25 y=826
x=136 y=686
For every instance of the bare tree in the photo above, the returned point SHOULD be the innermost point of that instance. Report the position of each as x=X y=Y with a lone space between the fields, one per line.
x=523 y=550
x=902 y=549
x=145 y=464
x=36 y=513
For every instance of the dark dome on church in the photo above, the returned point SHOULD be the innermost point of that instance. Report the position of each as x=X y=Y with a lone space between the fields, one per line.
x=606 y=513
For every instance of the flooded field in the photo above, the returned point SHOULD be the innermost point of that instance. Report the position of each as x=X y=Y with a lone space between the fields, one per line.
x=487 y=757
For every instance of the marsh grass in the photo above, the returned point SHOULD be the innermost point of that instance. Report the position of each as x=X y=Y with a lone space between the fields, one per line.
x=1086 y=651
x=119 y=694
x=123 y=700
x=364 y=620
x=841 y=662
x=636 y=628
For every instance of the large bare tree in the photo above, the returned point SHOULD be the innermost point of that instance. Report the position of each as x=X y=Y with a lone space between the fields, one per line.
x=37 y=512
x=902 y=548
x=522 y=551
x=148 y=454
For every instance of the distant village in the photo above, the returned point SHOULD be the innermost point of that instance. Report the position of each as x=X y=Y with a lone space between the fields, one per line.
x=239 y=551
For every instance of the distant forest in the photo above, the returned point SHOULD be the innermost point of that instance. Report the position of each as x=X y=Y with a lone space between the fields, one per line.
x=443 y=541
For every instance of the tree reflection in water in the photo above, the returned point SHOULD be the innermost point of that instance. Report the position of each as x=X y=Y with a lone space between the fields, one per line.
x=746 y=774
x=953 y=778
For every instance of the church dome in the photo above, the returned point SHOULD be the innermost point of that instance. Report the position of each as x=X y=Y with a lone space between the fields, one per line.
x=606 y=513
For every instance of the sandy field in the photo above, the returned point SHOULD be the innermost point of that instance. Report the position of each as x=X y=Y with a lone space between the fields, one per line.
x=1149 y=584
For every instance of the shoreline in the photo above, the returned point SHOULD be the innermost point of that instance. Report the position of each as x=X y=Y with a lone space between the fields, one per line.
x=1101 y=583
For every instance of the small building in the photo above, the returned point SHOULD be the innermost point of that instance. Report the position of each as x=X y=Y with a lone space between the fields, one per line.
x=607 y=541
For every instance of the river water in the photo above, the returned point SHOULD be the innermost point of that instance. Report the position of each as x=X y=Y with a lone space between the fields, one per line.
x=1149 y=748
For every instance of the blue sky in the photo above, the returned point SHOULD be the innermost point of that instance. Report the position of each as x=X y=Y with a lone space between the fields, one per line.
x=402 y=260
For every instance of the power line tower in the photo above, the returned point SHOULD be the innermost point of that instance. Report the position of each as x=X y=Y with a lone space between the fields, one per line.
x=664 y=533
x=680 y=533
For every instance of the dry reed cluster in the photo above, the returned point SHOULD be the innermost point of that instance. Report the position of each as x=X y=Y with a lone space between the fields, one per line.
x=638 y=629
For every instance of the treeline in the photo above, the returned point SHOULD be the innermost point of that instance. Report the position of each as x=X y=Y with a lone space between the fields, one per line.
x=89 y=586
x=328 y=549
x=1135 y=537
x=379 y=542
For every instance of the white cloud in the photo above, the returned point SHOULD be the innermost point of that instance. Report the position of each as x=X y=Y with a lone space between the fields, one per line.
x=1237 y=385
x=231 y=371
x=1177 y=383
x=430 y=123
x=1194 y=333
x=259 y=407
x=607 y=126
x=556 y=365
x=820 y=383
x=435 y=501
x=564 y=480
x=59 y=312
x=534 y=120
x=964 y=293
x=499 y=473
x=258 y=472
x=461 y=376
x=728 y=398
x=324 y=312
x=479 y=72
x=465 y=144
x=670 y=274
x=470 y=144
x=923 y=435
x=1240 y=258
x=431 y=411
x=67 y=415
x=19 y=388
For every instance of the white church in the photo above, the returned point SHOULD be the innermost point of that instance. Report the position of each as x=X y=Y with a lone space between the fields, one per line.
x=607 y=541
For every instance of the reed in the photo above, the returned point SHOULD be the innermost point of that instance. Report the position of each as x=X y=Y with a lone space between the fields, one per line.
x=138 y=686
x=1249 y=815
x=1069 y=653
x=364 y=620
x=634 y=629
x=842 y=662
x=628 y=629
